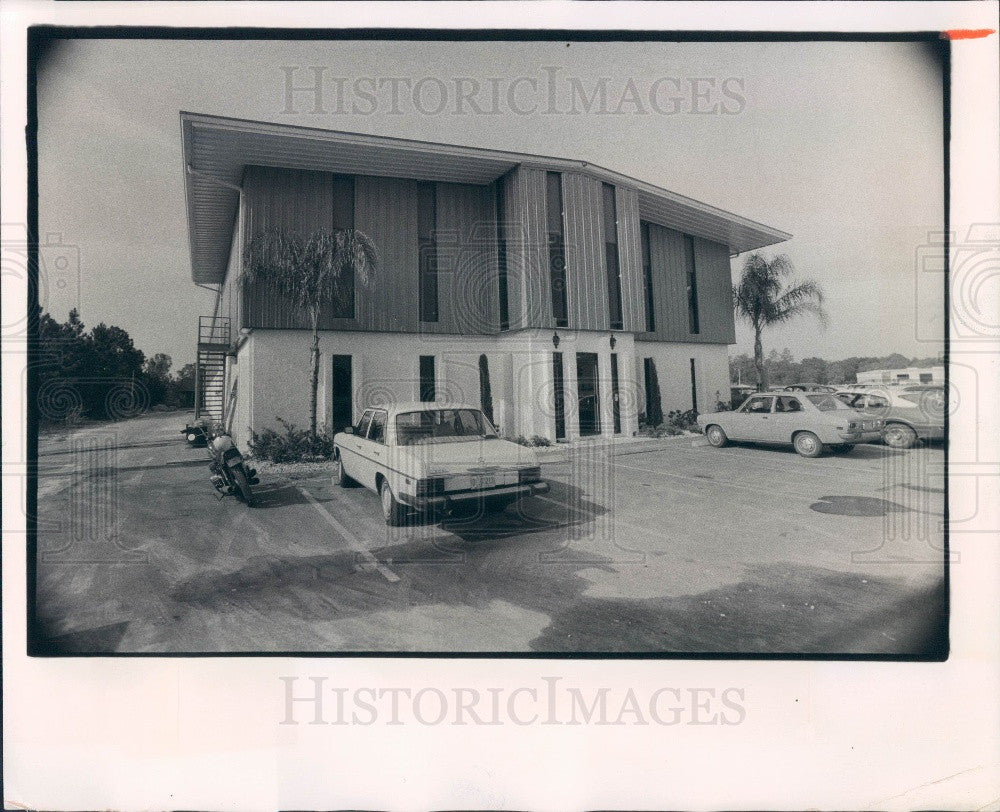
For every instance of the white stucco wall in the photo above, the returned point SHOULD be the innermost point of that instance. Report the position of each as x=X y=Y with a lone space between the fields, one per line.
x=673 y=369
x=274 y=369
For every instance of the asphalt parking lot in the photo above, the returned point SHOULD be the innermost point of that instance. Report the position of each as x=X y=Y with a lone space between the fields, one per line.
x=668 y=546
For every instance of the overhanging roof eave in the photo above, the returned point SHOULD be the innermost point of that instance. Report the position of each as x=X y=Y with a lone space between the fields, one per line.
x=465 y=164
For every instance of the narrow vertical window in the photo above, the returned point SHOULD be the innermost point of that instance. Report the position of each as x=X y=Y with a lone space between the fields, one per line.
x=654 y=404
x=427 y=389
x=426 y=219
x=647 y=278
x=559 y=395
x=616 y=408
x=502 y=260
x=343 y=220
x=557 y=247
x=694 y=388
x=611 y=262
x=692 y=285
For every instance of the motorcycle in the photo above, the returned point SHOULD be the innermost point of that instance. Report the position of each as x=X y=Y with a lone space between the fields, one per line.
x=230 y=472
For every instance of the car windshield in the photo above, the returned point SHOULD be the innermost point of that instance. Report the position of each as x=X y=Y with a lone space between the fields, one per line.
x=826 y=403
x=442 y=426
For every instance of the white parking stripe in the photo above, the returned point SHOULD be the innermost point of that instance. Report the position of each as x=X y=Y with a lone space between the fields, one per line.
x=351 y=540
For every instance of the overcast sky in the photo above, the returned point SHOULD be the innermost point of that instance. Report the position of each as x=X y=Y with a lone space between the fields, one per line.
x=838 y=144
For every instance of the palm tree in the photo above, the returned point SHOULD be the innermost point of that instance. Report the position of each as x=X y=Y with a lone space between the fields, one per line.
x=766 y=295
x=309 y=272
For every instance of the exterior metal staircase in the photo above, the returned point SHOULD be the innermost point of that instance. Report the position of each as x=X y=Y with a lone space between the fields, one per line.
x=210 y=367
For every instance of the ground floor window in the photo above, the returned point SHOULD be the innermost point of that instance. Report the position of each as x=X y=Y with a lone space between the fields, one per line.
x=427 y=388
x=341 y=394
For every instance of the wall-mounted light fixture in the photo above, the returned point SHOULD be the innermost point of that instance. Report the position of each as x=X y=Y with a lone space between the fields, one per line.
x=612 y=341
x=555 y=340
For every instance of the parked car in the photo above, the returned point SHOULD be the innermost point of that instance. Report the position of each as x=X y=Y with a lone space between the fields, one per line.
x=434 y=458
x=738 y=392
x=808 y=387
x=909 y=414
x=810 y=421
x=196 y=433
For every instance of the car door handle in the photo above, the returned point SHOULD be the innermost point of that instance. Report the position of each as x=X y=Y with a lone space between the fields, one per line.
x=377 y=453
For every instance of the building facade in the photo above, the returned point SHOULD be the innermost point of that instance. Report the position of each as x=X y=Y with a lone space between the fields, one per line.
x=559 y=295
x=909 y=375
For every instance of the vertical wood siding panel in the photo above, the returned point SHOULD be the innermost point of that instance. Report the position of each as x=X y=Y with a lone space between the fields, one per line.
x=712 y=267
x=296 y=201
x=630 y=251
x=573 y=238
x=715 y=292
x=538 y=297
x=599 y=312
x=586 y=277
x=514 y=234
x=666 y=251
x=467 y=260
x=386 y=210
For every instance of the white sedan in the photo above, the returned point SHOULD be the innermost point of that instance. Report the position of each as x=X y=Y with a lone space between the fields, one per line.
x=810 y=421
x=434 y=457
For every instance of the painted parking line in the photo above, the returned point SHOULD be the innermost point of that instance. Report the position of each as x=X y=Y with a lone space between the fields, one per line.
x=350 y=538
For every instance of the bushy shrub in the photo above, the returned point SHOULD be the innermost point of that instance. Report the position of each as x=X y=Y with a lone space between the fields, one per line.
x=294 y=445
x=682 y=420
x=677 y=422
x=535 y=441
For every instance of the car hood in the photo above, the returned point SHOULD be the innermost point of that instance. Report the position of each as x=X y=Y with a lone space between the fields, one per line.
x=446 y=458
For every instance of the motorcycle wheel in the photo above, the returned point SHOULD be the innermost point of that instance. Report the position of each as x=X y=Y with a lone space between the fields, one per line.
x=243 y=486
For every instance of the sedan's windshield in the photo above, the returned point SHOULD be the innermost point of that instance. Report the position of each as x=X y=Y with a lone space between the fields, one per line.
x=826 y=403
x=442 y=426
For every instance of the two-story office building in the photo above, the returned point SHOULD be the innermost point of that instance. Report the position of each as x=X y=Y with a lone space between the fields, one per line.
x=549 y=290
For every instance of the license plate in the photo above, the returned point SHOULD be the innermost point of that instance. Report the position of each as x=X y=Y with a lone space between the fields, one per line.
x=480 y=481
x=869 y=425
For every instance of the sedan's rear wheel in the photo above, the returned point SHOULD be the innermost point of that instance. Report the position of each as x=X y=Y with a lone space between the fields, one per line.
x=716 y=436
x=898 y=435
x=807 y=444
x=392 y=511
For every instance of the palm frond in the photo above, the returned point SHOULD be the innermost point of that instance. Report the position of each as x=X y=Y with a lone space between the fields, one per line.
x=308 y=271
x=765 y=296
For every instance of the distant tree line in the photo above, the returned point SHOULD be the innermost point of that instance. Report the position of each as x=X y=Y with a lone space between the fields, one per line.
x=782 y=369
x=100 y=374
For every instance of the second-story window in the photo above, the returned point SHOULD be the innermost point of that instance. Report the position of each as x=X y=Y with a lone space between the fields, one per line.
x=647 y=278
x=426 y=218
x=343 y=219
x=692 y=285
x=502 y=260
x=611 y=264
x=557 y=247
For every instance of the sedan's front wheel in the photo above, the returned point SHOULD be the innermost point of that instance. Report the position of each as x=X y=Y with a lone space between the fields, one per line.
x=807 y=444
x=342 y=478
x=716 y=436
